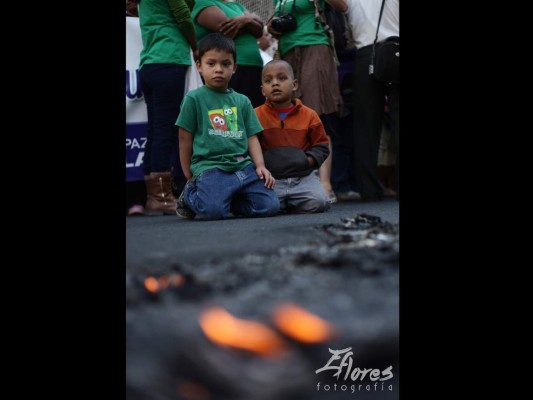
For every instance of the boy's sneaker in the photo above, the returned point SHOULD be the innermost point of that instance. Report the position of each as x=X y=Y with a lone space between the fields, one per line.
x=350 y=195
x=182 y=211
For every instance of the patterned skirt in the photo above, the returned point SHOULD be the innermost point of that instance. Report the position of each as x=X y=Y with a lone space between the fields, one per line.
x=318 y=85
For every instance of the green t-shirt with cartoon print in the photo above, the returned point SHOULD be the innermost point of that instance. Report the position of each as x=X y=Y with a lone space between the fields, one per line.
x=221 y=123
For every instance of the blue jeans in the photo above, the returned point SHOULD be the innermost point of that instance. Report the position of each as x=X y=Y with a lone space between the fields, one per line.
x=217 y=194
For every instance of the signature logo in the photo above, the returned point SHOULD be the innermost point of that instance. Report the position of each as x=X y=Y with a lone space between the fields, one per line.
x=346 y=369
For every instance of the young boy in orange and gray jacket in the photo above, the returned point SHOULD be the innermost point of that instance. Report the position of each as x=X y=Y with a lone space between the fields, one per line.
x=294 y=142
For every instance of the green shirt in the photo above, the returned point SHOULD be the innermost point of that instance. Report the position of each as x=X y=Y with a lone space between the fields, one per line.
x=221 y=123
x=245 y=43
x=161 y=31
x=307 y=32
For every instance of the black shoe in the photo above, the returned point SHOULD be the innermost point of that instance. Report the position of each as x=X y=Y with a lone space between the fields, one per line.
x=182 y=211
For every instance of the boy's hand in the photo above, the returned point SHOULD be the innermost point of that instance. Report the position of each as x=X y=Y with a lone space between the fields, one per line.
x=265 y=174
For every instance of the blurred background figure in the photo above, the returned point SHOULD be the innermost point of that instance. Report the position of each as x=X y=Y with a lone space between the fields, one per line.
x=233 y=20
x=369 y=95
x=304 y=44
x=267 y=45
x=168 y=36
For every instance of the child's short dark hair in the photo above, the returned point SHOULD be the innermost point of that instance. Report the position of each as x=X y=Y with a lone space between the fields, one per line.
x=219 y=42
x=282 y=62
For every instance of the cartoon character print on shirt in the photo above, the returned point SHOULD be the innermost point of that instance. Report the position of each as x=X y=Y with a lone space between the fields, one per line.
x=230 y=114
x=224 y=122
x=217 y=120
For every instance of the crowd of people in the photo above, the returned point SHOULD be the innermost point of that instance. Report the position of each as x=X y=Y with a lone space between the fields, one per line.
x=271 y=129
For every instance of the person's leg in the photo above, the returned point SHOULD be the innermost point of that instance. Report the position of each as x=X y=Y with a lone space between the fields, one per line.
x=393 y=95
x=329 y=121
x=149 y=100
x=167 y=84
x=369 y=107
x=163 y=85
x=307 y=195
x=253 y=199
x=209 y=195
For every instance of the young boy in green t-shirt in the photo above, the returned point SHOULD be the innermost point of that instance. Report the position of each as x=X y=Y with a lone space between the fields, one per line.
x=218 y=142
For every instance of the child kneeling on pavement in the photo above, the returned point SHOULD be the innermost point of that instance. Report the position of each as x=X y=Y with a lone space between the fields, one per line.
x=218 y=143
x=294 y=142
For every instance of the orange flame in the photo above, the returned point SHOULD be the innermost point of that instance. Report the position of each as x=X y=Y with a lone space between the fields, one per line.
x=154 y=285
x=301 y=325
x=224 y=329
x=151 y=284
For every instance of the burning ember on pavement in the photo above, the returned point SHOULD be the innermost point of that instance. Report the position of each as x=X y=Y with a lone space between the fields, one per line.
x=154 y=285
x=302 y=326
x=178 y=347
x=224 y=329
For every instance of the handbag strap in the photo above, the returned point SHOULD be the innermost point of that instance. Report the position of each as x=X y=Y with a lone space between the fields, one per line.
x=379 y=22
x=371 y=66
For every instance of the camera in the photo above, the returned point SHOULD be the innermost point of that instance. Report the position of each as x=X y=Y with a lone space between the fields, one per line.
x=285 y=23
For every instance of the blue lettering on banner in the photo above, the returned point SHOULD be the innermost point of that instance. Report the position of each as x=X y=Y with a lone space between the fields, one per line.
x=135 y=147
x=133 y=86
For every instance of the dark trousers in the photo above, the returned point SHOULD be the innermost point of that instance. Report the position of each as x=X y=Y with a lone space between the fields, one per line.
x=247 y=81
x=369 y=109
x=340 y=130
x=163 y=86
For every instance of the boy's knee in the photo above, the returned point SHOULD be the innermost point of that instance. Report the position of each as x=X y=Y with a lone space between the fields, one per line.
x=314 y=206
x=268 y=206
x=207 y=210
x=271 y=207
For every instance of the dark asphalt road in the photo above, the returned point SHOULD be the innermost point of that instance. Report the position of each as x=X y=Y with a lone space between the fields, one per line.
x=249 y=267
x=167 y=239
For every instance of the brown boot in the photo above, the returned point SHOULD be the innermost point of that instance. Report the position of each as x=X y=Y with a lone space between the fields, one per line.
x=159 y=196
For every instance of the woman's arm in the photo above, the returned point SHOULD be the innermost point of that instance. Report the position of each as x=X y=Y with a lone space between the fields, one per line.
x=247 y=22
x=214 y=19
x=182 y=14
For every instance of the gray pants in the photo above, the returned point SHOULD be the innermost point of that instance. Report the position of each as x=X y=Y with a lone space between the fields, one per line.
x=302 y=195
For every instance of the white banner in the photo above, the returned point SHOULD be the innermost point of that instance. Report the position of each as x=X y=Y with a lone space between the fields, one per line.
x=135 y=106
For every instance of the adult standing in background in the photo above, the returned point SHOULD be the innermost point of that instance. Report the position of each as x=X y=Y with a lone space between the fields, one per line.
x=369 y=95
x=307 y=49
x=233 y=20
x=168 y=35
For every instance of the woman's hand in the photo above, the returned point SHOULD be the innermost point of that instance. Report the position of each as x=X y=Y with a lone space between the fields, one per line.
x=232 y=26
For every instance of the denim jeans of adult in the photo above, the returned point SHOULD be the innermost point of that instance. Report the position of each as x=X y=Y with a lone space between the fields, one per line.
x=163 y=85
x=217 y=194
